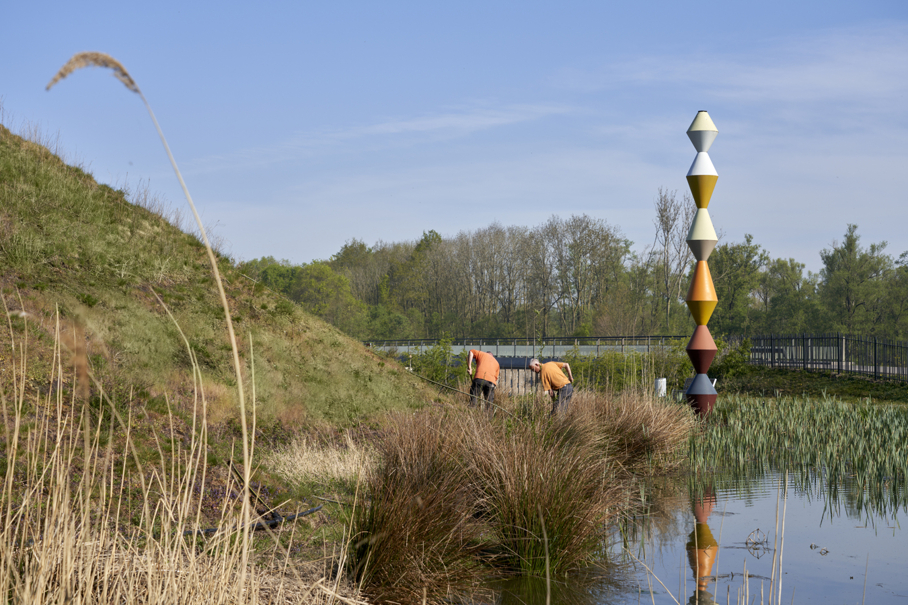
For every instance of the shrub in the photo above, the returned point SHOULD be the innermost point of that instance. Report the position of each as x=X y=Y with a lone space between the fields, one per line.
x=732 y=358
x=438 y=363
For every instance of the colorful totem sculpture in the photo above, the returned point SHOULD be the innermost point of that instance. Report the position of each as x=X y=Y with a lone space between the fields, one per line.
x=701 y=239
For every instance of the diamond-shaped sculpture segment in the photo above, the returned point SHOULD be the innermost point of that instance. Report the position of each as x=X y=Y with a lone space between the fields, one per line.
x=701 y=286
x=701 y=395
x=701 y=349
x=701 y=237
x=702 y=178
x=702 y=131
x=701 y=297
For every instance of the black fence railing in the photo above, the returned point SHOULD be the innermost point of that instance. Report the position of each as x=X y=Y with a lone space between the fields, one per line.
x=550 y=347
x=842 y=353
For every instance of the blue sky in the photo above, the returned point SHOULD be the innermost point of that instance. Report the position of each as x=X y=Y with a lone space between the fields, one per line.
x=301 y=125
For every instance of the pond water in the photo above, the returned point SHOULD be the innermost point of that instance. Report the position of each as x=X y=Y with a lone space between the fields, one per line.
x=729 y=528
x=726 y=528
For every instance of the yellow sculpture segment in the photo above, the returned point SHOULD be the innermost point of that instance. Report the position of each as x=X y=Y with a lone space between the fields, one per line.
x=701 y=310
x=701 y=187
x=702 y=178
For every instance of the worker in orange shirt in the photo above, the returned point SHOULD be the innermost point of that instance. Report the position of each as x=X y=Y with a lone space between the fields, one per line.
x=554 y=382
x=486 y=377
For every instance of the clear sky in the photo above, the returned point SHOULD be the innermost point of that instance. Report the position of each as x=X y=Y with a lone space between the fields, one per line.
x=301 y=125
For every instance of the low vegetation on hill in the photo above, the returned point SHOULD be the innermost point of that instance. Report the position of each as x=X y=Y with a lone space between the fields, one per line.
x=79 y=259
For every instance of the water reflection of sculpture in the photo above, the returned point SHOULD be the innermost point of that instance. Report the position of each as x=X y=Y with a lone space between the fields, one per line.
x=702 y=547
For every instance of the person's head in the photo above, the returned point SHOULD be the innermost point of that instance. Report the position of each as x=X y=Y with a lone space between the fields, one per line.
x=534 y=365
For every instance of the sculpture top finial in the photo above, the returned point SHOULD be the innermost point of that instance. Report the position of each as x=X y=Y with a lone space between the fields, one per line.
x=702 y=131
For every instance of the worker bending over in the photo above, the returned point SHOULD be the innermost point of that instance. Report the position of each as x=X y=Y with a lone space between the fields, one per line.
x=555 y=383
x=486 y=377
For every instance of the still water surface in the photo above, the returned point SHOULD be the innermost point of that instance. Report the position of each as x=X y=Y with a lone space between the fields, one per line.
x=724 y=527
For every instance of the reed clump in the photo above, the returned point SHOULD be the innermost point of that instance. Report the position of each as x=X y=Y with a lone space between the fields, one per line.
x=87 y=517
x=460 y=493
x=418 y=528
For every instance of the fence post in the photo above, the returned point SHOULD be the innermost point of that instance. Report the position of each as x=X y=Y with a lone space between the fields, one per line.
x=803 y=352
x=840 y=348
x=772 y=352
x=876 y=365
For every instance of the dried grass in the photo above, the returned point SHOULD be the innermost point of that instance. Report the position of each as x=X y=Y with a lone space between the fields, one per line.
x=304 y=461
x=84 y=520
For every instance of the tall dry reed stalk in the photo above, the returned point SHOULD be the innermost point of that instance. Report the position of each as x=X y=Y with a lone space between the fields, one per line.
x=97 y=59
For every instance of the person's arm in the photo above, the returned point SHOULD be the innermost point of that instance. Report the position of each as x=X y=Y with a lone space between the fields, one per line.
x=470 y=364
x=568 y=368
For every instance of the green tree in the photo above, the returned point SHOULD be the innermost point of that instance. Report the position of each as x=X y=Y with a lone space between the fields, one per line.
x=322 y=292
x=736 y=273
x=852 y=284
x=787 y=300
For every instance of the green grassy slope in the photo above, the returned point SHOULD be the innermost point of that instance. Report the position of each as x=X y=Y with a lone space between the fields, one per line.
x=71 y=245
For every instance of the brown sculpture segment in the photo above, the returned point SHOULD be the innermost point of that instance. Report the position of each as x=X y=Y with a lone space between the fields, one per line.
x=701 y=349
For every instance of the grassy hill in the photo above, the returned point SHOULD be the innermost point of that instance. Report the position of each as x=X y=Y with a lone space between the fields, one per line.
x=82 y=266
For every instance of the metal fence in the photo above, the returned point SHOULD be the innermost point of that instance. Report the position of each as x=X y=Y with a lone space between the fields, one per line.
x=867 y=355
x=842 y=353
x=554 y=348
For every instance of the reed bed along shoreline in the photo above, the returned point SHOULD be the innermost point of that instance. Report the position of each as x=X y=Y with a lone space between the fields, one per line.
x=857 y=448
x=460 y=494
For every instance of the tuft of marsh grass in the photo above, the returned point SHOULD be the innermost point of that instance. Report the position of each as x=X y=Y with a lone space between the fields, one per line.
x=458 y=492
x=418 y=529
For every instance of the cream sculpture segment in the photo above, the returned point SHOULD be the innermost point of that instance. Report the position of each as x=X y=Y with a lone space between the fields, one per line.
x=702 y=238
x=702 y=132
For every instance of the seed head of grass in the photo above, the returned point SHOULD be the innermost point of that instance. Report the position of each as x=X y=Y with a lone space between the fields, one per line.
x=95 y=59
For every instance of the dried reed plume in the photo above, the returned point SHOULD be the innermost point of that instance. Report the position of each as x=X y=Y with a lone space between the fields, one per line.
x=93 y=59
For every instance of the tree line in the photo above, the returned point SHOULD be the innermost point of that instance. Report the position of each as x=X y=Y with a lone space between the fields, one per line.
x=580 y=276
